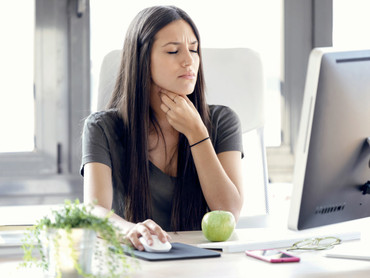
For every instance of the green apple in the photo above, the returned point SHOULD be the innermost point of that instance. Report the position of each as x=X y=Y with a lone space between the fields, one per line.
x=218 y=225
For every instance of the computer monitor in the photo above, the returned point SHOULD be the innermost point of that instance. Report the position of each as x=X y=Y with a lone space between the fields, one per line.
x=331 y=182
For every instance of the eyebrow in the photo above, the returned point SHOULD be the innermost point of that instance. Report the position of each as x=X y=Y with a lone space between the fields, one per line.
x=178 y=43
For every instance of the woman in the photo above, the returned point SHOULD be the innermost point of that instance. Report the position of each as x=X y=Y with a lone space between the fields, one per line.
x=159 y=155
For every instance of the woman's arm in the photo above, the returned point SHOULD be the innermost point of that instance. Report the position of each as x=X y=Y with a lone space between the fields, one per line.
x=98 y=188
x=220 y=175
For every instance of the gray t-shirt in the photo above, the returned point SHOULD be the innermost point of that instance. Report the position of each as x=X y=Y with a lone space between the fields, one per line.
x=102 y=142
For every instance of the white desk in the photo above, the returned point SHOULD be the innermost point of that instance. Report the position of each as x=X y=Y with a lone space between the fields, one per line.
x=313 y=264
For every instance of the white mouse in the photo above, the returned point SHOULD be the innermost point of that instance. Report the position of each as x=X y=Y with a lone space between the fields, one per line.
x=157 y=246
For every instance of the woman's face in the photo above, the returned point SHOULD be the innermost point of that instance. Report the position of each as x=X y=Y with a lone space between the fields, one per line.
x=175 y=59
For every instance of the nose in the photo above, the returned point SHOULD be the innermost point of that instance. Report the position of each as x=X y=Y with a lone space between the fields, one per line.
x=187 y=59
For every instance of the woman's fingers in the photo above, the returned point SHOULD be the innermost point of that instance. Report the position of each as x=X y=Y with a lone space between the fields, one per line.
x=155 y=229
x=170 y=101
x=146 y=229
x=176 y=103
x=135 y=233
x=181 y=113
x=165 y=108
x=169 y=94
x=167 y=103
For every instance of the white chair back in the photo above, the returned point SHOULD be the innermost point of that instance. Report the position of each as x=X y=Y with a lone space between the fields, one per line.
x=234 y=77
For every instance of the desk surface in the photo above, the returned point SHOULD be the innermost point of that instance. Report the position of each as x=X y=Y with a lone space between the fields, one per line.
x=313 y=264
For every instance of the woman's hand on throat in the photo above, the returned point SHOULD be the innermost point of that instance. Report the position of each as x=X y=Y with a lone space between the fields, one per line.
x=182 y=115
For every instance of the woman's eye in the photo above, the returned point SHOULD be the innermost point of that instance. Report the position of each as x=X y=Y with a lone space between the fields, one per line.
x=194 y=51
x=172 y=52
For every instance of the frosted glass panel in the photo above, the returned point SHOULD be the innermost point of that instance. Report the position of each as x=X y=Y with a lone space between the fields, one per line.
x=17 y=24
x=351 y=24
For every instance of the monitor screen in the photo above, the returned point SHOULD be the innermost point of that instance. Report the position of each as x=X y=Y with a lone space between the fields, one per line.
x=331 y=182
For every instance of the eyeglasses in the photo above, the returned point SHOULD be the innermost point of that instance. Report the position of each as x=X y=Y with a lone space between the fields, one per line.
x=315 y=243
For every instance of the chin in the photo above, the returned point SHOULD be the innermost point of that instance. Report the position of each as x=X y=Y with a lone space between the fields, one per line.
x=180 y=89
x=187 y=91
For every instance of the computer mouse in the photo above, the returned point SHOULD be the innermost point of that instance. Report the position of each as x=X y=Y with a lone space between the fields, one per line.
x=157 y=246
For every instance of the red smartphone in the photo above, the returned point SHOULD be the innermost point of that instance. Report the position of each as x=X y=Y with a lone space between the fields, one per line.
x=272 y=256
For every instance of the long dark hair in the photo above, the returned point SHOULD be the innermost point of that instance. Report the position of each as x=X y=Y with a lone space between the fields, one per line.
x=131 y=97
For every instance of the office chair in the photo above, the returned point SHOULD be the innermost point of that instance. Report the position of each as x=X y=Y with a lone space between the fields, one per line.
x=234 y=77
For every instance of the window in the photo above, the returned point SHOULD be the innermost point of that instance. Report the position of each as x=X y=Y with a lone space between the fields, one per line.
x=17 y=60
x=44 y=98
x=351 y=24
x=29 y=144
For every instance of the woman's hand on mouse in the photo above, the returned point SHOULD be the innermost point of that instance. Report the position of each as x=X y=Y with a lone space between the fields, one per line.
x=146 y=229
x=183 y=116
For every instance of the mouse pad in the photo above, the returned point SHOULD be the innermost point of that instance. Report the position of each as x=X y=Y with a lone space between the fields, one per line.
x=179 y=251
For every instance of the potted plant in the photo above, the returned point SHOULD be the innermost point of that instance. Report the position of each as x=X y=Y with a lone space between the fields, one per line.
x=72 y=242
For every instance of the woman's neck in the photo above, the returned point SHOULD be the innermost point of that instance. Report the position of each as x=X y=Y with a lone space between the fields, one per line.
x=163 y=139
x=155 y=104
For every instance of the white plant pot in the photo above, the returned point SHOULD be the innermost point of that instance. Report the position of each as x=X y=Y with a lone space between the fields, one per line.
x=63 y=250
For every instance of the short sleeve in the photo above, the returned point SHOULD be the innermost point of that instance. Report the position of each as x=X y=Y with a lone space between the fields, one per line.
x=95 y=147
x=226 y=129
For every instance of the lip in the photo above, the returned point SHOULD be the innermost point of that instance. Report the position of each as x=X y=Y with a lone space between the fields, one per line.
x=188 y=75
